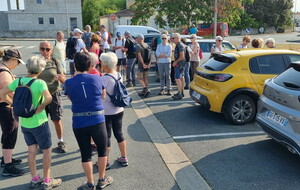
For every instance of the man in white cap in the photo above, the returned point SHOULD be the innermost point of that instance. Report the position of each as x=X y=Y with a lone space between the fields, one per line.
x=74 y=44
x=144 y=62
x=104 y=36
x=119 y=44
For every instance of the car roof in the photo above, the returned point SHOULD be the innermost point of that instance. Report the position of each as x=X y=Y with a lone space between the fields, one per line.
x=189 y=37
x=256 y=52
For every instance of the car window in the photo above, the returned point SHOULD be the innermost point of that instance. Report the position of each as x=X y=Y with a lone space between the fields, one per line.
x=219 y=62
x=228 y=46
x=293 y=58
x=289 y=78
x=268 y=64
x=152 y=31
x=148 y=40
x=205 y=46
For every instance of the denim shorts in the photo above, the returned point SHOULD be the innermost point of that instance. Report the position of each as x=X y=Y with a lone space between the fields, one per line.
x=179 y=72
x=40 y=135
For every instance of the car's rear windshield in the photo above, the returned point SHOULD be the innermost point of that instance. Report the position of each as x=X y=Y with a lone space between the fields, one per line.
x=219 y=62
x=289 y=79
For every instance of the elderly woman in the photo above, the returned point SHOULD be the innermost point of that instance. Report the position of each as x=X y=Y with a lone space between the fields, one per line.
x=257 y=43
x=86 y=92
x=36 y=129
x=244 y=44
x=113 y=114
x=195 y=59
x=270 y=42
x=94 y=61
x=10 y=59
x=217 y=48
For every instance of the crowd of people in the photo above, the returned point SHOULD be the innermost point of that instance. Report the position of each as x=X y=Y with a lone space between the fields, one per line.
x=94 y=116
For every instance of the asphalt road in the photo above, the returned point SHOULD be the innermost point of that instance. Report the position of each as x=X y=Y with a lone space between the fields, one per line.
x=228 y=157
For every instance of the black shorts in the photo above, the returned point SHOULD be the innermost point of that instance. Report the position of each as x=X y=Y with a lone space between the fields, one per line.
x=122 y=61
x=9 y=125
x=54 y=109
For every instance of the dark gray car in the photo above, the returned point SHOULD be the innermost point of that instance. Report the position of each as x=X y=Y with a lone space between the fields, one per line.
x=278 y=111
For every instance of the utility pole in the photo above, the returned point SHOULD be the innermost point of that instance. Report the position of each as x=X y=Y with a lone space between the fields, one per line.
x=215 y=18
x=67 y=17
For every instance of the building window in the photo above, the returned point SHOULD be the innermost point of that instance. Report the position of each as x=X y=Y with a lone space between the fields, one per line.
x=51 y=20
x=41 y=20
x=39 y=1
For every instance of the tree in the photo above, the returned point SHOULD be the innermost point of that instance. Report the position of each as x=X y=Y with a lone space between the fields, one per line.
x=272 y=12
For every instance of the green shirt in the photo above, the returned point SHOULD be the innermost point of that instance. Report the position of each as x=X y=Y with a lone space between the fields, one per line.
x=37 y=88
x=52 y=68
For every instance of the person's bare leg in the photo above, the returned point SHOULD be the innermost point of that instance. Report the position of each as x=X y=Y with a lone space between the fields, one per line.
x=46 y=162
x=88 y=170
x=102 y=166
x=31 y=159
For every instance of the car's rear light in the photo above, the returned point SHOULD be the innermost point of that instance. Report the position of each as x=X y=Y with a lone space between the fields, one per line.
x=214 y=77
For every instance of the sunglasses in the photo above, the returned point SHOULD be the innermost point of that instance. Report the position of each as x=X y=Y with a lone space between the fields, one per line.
x=45 y=49
x=174 y=38
x=164 y=38
x=248 y=41
x=220 y=40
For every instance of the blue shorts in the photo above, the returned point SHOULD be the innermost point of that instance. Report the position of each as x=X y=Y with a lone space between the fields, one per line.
x=40 y=135
x=179 y=73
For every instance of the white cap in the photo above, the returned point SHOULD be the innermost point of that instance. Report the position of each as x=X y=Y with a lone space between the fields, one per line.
x=77 y=30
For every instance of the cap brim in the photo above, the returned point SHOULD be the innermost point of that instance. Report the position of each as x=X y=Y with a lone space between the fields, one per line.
x=21 y=61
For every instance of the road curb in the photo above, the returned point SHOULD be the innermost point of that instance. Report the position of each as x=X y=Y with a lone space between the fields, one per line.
x=181 y=168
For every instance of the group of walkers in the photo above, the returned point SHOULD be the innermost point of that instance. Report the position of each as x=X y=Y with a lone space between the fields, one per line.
x=94 y=115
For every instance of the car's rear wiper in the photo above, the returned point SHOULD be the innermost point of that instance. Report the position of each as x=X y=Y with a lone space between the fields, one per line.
x=209 y=68
x=291 y=85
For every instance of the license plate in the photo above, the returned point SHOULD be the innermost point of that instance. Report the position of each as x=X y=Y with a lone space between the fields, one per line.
x=196 y=95
x=277 y=118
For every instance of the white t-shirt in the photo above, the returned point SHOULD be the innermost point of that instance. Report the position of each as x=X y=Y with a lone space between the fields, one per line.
x=105 y=43
x=109 y=84
x=119 y=52
x=79 y=46
x=59 y=51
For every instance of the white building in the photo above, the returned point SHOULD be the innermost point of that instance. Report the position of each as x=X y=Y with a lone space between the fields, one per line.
x=38 y=18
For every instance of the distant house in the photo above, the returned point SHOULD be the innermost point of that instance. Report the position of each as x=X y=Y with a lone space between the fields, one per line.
x=39 y=18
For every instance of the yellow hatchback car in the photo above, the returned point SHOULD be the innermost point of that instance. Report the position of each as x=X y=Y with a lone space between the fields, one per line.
x=231 y=83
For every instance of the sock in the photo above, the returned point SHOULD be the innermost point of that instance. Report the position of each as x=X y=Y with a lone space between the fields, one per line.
x=60 y=140
x=36 y=178
x=47 y=180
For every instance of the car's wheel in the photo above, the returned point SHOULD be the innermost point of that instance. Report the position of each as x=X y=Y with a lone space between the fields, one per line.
x=241 y=109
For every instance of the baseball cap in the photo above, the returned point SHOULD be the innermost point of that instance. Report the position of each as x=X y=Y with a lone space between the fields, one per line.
x=127 y=33
x=141 y=36
x=118 y=34
x=14 y=53
x=77 y=30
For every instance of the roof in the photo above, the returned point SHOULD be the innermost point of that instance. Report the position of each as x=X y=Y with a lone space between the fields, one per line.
x=252 y=51
x=122 y=13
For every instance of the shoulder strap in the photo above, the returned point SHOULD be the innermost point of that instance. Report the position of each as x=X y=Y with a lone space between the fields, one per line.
x=116 y=41
x=113 y=77
x=30 y=82
x=55 y=43
x=12 y=76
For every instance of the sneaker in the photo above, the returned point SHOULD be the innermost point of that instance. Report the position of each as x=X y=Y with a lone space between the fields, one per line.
x=107 y=165
x=129 y=84
x=123 y=160
x=93 y=149
x=85 y=186
x=11 y=170
x=169 y=93
x=175 y=95
x=178 y=97
x=53 y=183
x=62 y=148
x=147 y=93
x=186 y=87
x=182 y=93
x=36 y=184
x=102 y=183
x=161 y=92
x=134 y=84
x=14 y=161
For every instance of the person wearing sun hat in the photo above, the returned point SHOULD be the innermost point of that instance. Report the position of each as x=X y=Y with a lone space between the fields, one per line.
x=11 y=58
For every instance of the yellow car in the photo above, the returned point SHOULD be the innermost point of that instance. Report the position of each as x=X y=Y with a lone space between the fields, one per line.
x=231 y=83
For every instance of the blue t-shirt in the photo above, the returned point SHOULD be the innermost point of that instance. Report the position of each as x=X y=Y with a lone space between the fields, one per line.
x=84 y=91
x=193 y=30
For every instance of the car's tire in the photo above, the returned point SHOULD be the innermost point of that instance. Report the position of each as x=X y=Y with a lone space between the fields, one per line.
x=240 y=110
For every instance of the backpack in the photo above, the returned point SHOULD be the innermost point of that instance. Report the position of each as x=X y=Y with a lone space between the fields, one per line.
x=120 y=98
x=201 y=54
x=187 y=54
x=154 y=43
x=71 y=47
x=109 y=38
x=147 y=55
x=22 y=100
x=87 y=39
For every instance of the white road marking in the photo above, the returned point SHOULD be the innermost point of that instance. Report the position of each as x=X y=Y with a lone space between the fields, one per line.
x=174 y=102
x=218 y=135
x=30 y=47
x=19 y=47
x=5 y=47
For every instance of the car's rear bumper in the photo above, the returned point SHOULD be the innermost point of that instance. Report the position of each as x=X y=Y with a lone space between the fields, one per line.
x=202 y=100
x=278 y=136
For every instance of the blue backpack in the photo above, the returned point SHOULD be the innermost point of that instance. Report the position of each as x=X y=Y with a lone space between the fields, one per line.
x=22 y=100
x=120 y=98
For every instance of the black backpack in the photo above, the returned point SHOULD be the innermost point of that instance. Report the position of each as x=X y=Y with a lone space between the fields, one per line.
x=71 y=47
x=147 y=55
x=22 y=100
x=187 y=54
x=154 y=43
x=120 y=98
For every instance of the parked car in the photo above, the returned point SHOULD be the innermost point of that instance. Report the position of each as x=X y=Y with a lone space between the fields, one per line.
x=149 y=37
x=231 y=83
x=204 y=29
x=278 y=110
x=135 y=30
x=206 y=44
